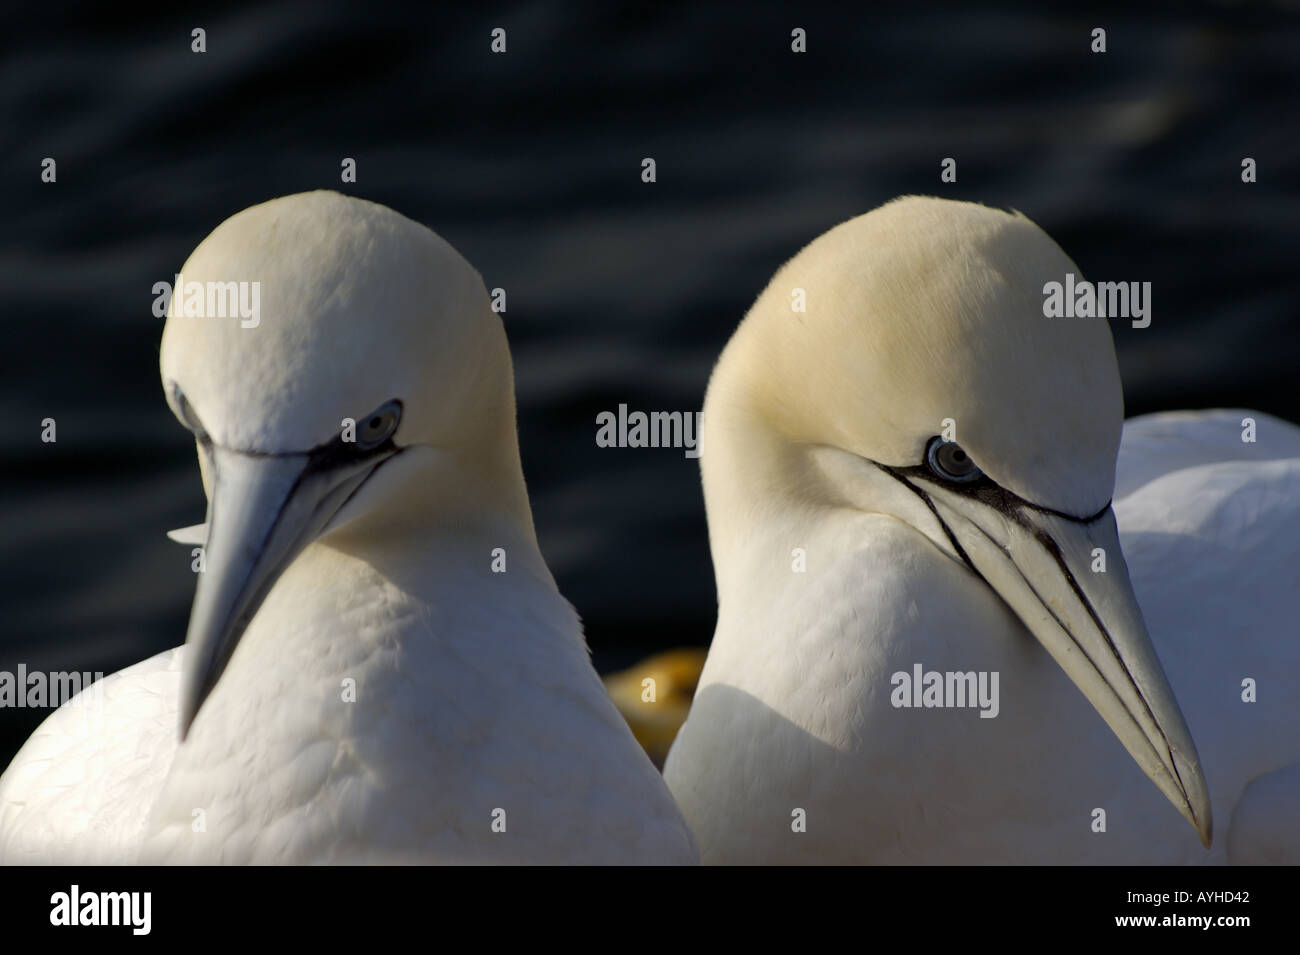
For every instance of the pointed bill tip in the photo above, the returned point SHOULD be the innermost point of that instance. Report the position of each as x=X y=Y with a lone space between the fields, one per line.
x=1196 y=795
x=264 y=510
x=1088 y=619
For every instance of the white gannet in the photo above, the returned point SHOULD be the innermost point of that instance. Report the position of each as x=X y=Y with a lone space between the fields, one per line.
x=358 y=683
x=915 y=475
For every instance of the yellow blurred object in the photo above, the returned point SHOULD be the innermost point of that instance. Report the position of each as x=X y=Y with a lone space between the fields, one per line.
x=655 y=695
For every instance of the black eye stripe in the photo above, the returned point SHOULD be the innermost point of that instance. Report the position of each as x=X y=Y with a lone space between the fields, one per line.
x=987 y=492
x=186 y=413
x=374 y=433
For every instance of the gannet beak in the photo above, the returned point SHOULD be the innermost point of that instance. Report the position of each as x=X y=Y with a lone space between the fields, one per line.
x=263 y=510
x=1041 y=563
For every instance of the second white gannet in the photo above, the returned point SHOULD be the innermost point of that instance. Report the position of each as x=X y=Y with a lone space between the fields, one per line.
x=378 y=666
x=928 y=648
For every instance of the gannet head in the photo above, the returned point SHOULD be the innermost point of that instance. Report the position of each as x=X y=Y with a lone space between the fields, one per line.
x=924 y=355
x=371 y=351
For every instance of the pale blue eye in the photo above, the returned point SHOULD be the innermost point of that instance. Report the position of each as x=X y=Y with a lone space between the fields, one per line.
x=378 y=426
x=950 y=462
